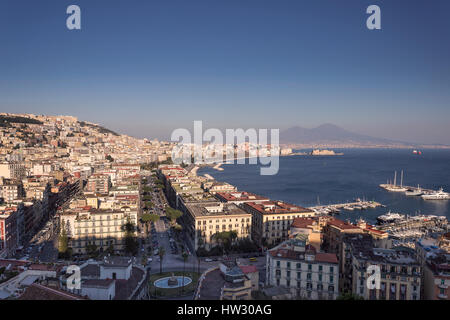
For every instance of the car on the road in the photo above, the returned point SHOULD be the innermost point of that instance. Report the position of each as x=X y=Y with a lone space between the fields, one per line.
x=208 y=260
x=253 y=259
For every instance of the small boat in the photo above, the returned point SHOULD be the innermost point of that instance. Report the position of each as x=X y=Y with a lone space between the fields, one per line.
x=411 y=192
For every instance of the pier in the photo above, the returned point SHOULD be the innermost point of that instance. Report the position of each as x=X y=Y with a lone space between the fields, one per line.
x=349 y=206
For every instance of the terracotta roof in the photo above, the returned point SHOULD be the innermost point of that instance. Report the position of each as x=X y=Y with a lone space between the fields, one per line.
x=40 y=292
x=326 y=257
x=303 y=222
x=248 y=269
x=342 y=224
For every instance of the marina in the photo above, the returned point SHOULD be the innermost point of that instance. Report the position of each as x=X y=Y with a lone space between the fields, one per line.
x=407 y=228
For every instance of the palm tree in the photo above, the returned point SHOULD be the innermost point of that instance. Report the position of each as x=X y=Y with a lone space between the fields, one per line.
x=185 y=256
x=161 y=253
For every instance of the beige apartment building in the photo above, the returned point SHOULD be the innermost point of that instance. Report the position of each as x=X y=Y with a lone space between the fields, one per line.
x=400 y=272
x=271 y=220
x=87 y=226
x=204 y=220
x=298 y=267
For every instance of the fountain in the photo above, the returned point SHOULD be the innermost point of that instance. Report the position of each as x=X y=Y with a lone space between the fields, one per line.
x=172 y=282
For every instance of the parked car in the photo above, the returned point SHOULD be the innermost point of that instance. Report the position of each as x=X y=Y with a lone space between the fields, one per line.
x=208 y=260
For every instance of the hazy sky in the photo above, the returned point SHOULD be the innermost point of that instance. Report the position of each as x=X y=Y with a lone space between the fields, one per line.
x=147 y=67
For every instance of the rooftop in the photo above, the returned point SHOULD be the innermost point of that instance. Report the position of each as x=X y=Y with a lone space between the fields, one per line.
x=277 y=207
x=199 y=210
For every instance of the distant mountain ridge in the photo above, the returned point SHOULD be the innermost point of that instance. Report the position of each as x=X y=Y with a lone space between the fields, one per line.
x=330 y=134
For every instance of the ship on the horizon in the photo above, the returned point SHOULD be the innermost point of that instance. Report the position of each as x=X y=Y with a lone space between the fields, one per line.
x=417 y=152
x=437 y=195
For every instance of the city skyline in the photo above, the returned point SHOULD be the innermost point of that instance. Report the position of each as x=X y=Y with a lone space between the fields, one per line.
x=147 y=69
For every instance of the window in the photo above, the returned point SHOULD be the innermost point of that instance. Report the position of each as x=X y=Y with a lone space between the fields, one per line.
x=299 y=275
x=288 y=274
x=331 y=279
x=320 y=268
x=278 y=263
x=309 y=267
x=288 y=265
x=331 y=269
x=299 y=265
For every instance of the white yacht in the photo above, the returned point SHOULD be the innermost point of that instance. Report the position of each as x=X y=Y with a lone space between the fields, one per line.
x=437 y=195
x=394 y=187
x=411 y=192
x=390 y=217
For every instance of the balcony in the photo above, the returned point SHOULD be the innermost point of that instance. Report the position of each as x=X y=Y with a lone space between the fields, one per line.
x=443 y=286
x=442 y=296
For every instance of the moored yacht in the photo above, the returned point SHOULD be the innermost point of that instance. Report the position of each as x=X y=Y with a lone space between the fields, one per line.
x=437 y=195
x=414 y=192
x=390 y=217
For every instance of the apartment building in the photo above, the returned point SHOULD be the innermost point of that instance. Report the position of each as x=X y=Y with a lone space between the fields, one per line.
x=271 y=220
x=435 y=261
x=88 y=226
x=11 y=190
x=204 y=220
x=400 y=277
x=98 y=183
x=311 y=227
x=8 y=231
x=306 y=273
x=12 y=170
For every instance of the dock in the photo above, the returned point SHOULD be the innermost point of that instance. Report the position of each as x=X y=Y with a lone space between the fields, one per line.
x=349 y=206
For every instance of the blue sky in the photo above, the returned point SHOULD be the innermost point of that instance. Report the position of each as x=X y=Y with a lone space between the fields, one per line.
x=147 y=67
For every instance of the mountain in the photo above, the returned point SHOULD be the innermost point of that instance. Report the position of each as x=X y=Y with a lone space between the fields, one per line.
x=332 y=135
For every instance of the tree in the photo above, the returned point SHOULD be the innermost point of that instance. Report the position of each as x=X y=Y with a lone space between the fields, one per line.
x=109 y=158
x=225 y=239
x=173 y=214
x=131 y=244
x=63 y=242
x=144 y=260
x=110 y=249
x=161 y=253
x=146 y=218
x=91 y=250
x=185 y=256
